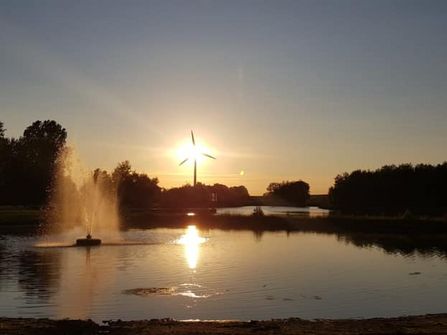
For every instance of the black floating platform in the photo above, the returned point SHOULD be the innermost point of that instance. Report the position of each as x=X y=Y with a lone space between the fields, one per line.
x=88 y=242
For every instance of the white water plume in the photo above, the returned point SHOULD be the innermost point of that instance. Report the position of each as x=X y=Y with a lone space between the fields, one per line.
x=82 y=201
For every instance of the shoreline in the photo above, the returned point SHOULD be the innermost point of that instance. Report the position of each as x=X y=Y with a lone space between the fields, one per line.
x=395 y=235
x=32 y=221
x=417 y=324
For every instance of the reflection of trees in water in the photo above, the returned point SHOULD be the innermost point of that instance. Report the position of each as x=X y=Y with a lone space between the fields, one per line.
x=39 y=273
x=258 y=235
x=8 y=262
x=427 y=245
x=406 y=245
x=2 y=262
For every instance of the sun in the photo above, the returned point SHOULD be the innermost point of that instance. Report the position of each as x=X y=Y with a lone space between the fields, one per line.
x=187 y=150
x=192 y=152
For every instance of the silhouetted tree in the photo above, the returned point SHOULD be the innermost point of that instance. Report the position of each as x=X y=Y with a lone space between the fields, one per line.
x=230 y=196
x=28 y=163
x=121 y=172
x=2 y=130
x=9 y=172
x=28 y=166
x=291 y=192
x=392 y=190
x=187 y=196
x=38 y=150
x=135 y=190
x=5 y=161
x=203 y=196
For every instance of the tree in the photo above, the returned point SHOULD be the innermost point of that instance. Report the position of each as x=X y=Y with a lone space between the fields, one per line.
x=37 y=152
x=292 y=192
x=203 y=196
x=2 y=130
x=27 y=164
x=230 y=196
x=135 y=190
x=392 y=190
x=48 y=136
x=5 y=160
x=122 y=171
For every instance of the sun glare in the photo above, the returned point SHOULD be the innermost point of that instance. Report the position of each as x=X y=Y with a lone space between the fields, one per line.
x=191 y=240
x=187 y=150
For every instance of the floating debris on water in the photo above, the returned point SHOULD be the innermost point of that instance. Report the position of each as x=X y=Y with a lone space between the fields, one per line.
x=150 y=291
x=315 y=297
x=186 y=290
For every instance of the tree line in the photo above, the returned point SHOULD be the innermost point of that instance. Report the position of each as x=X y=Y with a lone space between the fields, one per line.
x=28 y=165
x=201 y=195
x=28 y=168
x=288 y=193
x=419 y=189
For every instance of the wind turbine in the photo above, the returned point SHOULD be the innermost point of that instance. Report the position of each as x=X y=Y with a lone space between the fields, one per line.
x=196 y=153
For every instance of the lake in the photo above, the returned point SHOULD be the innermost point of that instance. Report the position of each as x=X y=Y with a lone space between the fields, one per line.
x=190 y=274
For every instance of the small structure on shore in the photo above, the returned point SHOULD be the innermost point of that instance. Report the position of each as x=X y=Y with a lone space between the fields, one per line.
x=88 y=241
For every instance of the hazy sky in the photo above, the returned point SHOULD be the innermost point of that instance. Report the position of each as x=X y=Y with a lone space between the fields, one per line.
x=281 y=90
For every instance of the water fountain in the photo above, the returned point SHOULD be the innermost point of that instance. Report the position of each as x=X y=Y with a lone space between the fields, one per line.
x=88 y=241
x=84 y=200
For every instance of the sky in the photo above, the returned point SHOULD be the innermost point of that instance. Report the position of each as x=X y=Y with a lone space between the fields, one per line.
x=276 y=90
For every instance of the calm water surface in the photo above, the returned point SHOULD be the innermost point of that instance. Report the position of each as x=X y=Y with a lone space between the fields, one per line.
x=192 y=274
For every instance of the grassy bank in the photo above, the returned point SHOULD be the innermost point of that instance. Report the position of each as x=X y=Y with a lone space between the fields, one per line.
x=19 y=216
x=17 y=220
x=424 y=324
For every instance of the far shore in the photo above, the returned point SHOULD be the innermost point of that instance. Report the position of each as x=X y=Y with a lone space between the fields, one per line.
x=421 y=324
x=17 y=220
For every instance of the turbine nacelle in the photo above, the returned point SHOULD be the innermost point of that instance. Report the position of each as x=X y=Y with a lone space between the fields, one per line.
x=195 y=154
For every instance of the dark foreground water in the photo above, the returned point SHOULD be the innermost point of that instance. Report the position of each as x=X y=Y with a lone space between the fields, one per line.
x=191 y=274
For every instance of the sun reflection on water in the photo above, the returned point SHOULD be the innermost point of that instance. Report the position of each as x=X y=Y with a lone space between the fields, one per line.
x=191 y=240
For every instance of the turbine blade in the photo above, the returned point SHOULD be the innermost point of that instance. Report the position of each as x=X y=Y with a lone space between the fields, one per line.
x=192 y=137
x=183 y=161
x=208 y=155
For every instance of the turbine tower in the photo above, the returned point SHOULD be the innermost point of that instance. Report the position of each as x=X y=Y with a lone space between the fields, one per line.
x=194 y=155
